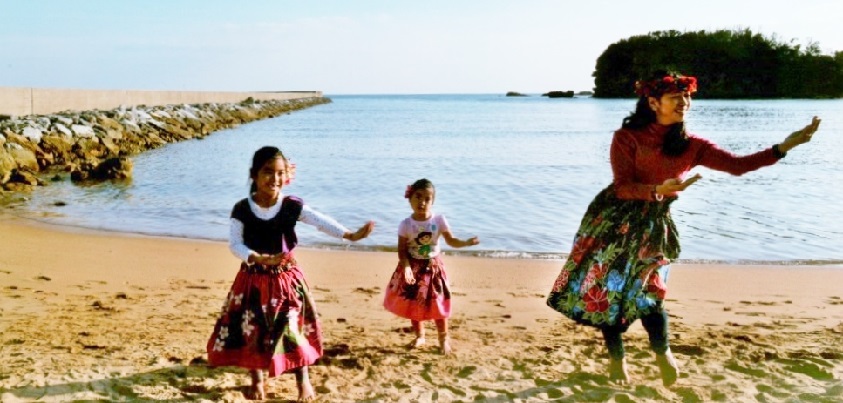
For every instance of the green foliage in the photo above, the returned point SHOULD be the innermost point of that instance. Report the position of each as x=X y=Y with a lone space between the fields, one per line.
x=727 y=64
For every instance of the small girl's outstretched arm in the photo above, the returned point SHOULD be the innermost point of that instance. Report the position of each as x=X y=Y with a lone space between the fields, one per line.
x=459 y=243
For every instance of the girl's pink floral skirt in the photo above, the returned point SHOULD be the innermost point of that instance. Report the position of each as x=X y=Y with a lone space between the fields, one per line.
x=268 y=321
x=428 y=299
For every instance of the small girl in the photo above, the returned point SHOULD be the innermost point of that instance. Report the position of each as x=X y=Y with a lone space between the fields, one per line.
x=418 y=289
x=268 y=321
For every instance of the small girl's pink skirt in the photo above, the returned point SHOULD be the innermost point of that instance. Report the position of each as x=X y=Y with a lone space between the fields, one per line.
x=428 y=299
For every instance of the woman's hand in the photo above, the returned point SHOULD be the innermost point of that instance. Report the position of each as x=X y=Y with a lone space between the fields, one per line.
x=361 y=233
x=671 y=187
x=800 y=136
x=408 y=275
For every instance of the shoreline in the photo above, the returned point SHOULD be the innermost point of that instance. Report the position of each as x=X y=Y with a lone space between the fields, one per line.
x=489 y=254
x=119 y=316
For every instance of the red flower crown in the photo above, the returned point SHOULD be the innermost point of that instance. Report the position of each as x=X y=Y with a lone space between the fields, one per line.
x=291 y=172
x=668 y=84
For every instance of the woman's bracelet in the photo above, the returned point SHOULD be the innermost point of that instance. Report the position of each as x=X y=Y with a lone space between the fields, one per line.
x=777 y=152
x=656 y=194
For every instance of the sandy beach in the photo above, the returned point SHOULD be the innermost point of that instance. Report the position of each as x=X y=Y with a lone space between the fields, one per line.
x=88 y=315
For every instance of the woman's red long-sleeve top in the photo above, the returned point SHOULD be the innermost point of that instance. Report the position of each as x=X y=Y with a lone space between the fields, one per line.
x=638 y=163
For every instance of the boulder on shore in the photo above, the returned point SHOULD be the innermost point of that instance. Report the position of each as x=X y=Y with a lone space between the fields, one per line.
x=111 y=168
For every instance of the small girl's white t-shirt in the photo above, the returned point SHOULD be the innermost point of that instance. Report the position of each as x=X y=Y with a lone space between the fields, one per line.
x=423 y=236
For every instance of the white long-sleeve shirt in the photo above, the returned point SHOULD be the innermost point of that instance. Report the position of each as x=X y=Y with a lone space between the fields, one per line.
x=309 y=216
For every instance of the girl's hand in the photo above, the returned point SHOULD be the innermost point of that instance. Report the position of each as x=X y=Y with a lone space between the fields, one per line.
x=801 y=136
x=361 y=233
x=266 y=260
x=671 y=187
x=408 y=275
x=472 y=241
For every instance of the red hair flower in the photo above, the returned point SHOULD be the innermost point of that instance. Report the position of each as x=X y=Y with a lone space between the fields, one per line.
x=291 y=173
x=408 y=192
x=667 y=84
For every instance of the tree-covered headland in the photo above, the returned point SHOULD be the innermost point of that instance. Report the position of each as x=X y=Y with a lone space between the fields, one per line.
x=727 y=64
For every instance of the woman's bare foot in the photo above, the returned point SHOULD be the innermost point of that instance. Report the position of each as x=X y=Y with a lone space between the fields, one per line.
x=618 y=372
x=416 y=343
x=306 y=393
x=444 y=344
x=668 y=367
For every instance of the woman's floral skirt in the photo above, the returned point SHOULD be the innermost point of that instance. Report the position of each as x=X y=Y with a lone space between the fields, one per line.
x=618 y=267
x=268 y=321
x=429 y=298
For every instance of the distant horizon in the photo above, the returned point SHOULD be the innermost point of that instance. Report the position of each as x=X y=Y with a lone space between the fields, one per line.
x=576 y=92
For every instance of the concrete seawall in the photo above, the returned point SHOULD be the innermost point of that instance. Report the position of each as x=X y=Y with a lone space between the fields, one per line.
x=16 y=101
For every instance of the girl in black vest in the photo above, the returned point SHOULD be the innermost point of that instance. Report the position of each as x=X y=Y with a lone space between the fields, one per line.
x=268 y=321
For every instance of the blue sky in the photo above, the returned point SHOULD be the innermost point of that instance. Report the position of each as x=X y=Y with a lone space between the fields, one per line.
x=360 y=46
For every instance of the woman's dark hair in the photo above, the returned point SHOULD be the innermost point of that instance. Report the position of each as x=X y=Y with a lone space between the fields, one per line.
x=675 y=140
x=419 y=185
x=261 y=157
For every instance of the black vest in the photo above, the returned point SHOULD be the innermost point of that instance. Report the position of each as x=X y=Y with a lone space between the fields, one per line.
x=271 y=236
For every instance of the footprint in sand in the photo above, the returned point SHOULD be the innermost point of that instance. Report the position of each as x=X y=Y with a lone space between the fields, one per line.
x=368 y=291
x=811 y=369
x=737 y=367
x=751 y=313
x=831 y=355
x=496 y=302
x=687 y=349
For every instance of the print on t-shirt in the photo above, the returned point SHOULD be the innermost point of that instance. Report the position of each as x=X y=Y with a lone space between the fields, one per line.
x=423 y=242
x=423 y=236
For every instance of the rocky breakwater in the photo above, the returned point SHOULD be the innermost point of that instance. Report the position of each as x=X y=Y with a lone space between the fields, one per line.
x=95 y=145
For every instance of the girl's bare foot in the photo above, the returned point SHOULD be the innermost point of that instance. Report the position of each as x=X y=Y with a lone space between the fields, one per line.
x=668 y=367
x=256 y=390
x=444 y=343
x=416 y=343
x=618 y=372
x=306 y=393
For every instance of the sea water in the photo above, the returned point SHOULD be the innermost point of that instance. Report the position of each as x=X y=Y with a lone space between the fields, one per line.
x=518 y=172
